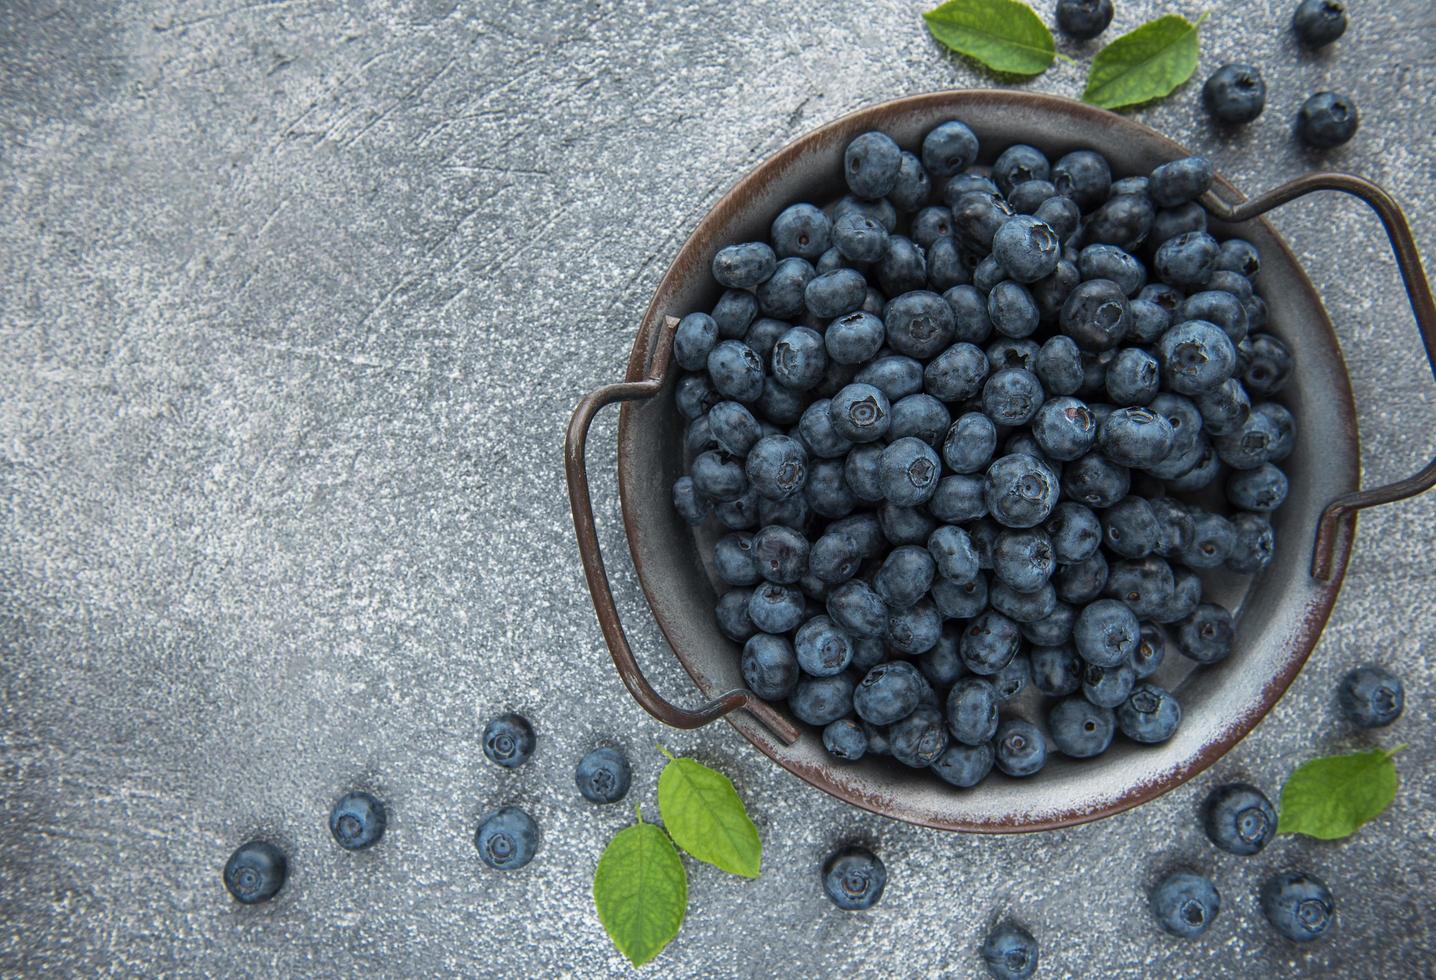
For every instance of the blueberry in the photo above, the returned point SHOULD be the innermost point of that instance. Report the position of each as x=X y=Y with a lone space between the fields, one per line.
x=1180 y=181
x=1180 y=220
x=1020 y=749
x=1299 y=906
x=964 y=766
x=1267 y=365
x=1124 y=220
x=1062 y=215
x=1106 y=633
x=736 y=370
x=1234 y=93
x=1056 y=670
x=698 y=437
x=989 y=643
x=1205 y=466
x=1023 y=559
x=1019 y=163
x=1012 y=309
x=946 y=265
x=859 y=238
x=956 y=374
x=1075 y=532
x=931 y=224
x=880 y=210
x=734 y=428
x=1028 y=196
x=694 y=396
x=1064 y=428
x=1146 y=585
x=1188 y=260
x=862 y=468
x=913 y=184
x=1059 y=366
x=827 y=490
x=970 y=444
x=816 y=434
x=691 y=505
x=835 y=294
x=357 y=821
x=1135 y=436
x=942 y=665
x=858 y=609
x=977 y=215
x=1095 y=480
x=1186 y=596
x=776 y=608
x=1023 y=607
x=1371 y=696
x=1319 y=22
x=1206 y=635
x=948 y=149
x=1130 y=527
x=1225 y=280
x=802 y=230
x=905 y=576
x=1012 y=396
x=743 y=266
x=1009 y=950
x=603 y=775
x=1079 y=728
x=1196 y=357
x=1212 y=540
x=794 y=511
x=823 y=648
x=1009 y=352
x=1027 y=248
x=1012 y=680
x=845 y=739
x=1133 y=377
x=888 y=693
x=1184 y=904
x=255 y=872
x=854 y=878
x=781 y=294
x=1224 y=408
x=507 y=839
x=914 y=630
x=1240 y=256
x=781 y=554
x=1149 y=715
x=970 y=319
x=777 y=467
x=1095 y=314
x=509 y=740
x=1083 y=175
x=919 y=324
x=1110 y=262
x=731 y=613
x=871 y=165
x=821 y=701
x=1251 y=445
x=861 y=413
x=909 y=472
x=696 y=336
x=1021 y=490
x=904 y=525
x=1253 y=543
x=972 y=711
x=960 y=600
x=1108 y=687
x=770 y=668
x=780 y=405
x=866 y=530
x=1220 y=308
x=1052 y=291
x=919 y=416
x=1262 y=489
x=739 y=514
x=1239 y=818
x=895 y=375
x=919 y=739
x=902 y=267
x=953 y=554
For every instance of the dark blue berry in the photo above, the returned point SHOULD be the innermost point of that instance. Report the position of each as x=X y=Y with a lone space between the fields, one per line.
x=603 y=775
x=919 y=324
x=1262 y=489
x=1059 y=366
x=859 y=238
x=736 y=370
x=1027 y=248
x=858 y=609
x=913 y=184
x=777 y=467
x=1189 y=218
x=989 y=643
x=1021 y=490
x=970 y=319
x=695 y=338
x=781 y=294
x=960 y=600
x=507 y=839
x=776 y=608
x=919 y=739
x=1146 y=585
x=770 y=668
x=854 y=878
x=1267 y=365
x=731 y=613
x=1130 y=528
x=690 y=504
x=1084 y=176
x=1212 y=540
x=743 y=266
x=861 y=413
x=794 y=511
x=1108 y=687
x=1240 y=256
x=948 y=148
x=734 y=428
x=863 y=467
x=815 y=431
x=1298 y=905
x=694 y=396
x=845 y=739
x=1234 y=93
x=827 y=491
x=1180 y=181
x=1020 y=750
x=972 y=711
x=956 y=374
x=1206 y=635
x=931 y=224
x=1019 y=163
x=904 y=525
x=1184 y=904
x=1133 y=377
x=1023 y=559
x=1253 y=543
x=1196 y=356
x=1135 y=436
x=509 y=740
x=823 y=648
x=357 y=821
x=835 y=557
x=977 y=215
x=1220 y=308
x=970 y=444
x=905 y=576
x=1095 y=314
x=946 y=265
x=1149 y=715
x=1009 y=950
x=1124 y=220
x=781 y=554
x=1319 y=22
x=255 y=872
x=871 y=165
x=1075 y=532
x=820 y=701
x=834 y=294
x=1027 y=197
x=920 y=416
x=1111 y=262
x=964 y=766
x=802 y=230
x=1106 y=633
x=888 y=693
x=1147 y=321
x=1064 y=428
x=1080 y=729
x=1371 y=696
x=1056 y=670
x=1239 y=818
x=1188 y=260
x=881 y=210
x=894 y=375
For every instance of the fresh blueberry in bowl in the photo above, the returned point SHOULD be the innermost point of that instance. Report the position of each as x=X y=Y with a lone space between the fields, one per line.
x=358 y=821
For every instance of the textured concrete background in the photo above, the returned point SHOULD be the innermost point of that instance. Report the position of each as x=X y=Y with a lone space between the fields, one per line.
x=295 y=300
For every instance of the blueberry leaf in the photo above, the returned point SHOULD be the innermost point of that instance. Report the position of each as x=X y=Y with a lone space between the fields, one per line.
x=1004 y=35
x=1330 y=798
x=702 y=811
x=1145 y=64
x=640 y=891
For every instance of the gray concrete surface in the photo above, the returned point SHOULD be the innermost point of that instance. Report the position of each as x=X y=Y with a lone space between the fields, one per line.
x=295 y=300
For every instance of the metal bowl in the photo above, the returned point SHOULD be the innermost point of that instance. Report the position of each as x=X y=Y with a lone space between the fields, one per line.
x=1279 y=615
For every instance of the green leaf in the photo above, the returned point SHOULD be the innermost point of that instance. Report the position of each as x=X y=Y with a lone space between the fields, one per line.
x=702 y=811
x=1004 y=35
x=1329 y=798
x=1144 y=64
x=640 y=891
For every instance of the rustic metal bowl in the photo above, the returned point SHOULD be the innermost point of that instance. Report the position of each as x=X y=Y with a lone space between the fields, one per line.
x=1279 y=615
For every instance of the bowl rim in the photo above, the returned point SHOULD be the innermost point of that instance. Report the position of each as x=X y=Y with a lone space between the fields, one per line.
x=733 y=202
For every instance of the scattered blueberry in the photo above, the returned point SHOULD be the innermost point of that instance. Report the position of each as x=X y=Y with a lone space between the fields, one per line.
x=1319 y=22
x=255 y=872
x=1298 y=905
x=603 y=775
x=509 y=740
x=357 y=821
x=854 y=878
x=1372 y=696
x=1235 y=94
x=1239 y=818
x=1185 y=903
x=1327 y=120
x=1009 y=951
x=506 y=839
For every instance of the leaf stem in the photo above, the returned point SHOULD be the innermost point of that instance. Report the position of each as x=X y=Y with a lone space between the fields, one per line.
x=665 y=751
x=1391 y=753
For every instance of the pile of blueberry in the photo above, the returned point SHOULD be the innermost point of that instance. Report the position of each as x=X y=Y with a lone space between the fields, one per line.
x=506 y=838
x=978 y=429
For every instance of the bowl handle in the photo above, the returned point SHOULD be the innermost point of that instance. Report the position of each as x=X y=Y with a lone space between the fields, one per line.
x=593 y=568
x=1339 y=516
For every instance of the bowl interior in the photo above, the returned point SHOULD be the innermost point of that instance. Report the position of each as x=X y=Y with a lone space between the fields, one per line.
x=1279 y=614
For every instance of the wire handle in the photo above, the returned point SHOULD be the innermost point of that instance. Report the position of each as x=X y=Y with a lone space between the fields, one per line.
x=1339 y=517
